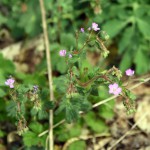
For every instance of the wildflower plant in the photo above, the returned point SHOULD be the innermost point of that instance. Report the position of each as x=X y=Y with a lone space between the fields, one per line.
x=81 y=81
x=21 y=96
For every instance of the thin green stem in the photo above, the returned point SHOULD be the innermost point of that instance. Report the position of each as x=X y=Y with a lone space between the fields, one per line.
x=86 y=42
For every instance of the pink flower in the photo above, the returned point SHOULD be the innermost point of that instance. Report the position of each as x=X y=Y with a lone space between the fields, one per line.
x=95 y=26
x=129 y=72
x=62 y=53
x=70 y=56
x=114 y=89
x=82 y=30
x=10 y=82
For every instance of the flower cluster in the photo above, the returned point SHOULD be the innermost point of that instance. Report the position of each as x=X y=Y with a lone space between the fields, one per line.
x=63 y=53
x=35 y=89
x=114 y=88
x=94 y=27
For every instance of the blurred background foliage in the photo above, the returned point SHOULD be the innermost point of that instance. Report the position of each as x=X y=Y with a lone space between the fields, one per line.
x=127 y=22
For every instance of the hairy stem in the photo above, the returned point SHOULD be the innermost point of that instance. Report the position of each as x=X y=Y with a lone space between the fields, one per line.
x=92 y=80
x=49 y=68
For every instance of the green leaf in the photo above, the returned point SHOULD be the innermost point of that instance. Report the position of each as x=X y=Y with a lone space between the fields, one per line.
x=48 y=105
x=94 y=123
x=71 y=108
x=80 y=145
x=106 y=111
x=61 y=65
x=85 y=106
x=2 y=133
x=72 y=113
x=75 y=71
x=67 y=133
x=85 y=68
x=141 y=62
x=30 y=139
x=2 y=93
x=114 y=26
x=82 y=38
x=67 y=40
x=2 y=19
x=144 y=28
x=94 y=91
x=8 y=66
x=34 y=111
x=126 y=61
x=12 y=109
x=42 y=114
x=36 y=127
x=61 y=107
x=126 y=39
x=34 y=148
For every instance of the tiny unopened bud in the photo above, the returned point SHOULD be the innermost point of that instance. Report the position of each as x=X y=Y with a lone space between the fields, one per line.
x=107 y=37
x=105 y=53
x=116 y=72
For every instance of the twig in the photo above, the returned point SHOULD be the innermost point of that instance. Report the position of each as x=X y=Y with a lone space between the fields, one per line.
x=99 y=103
x=46 y=143
x=138 y=84
x=49 y=68
x=122 y=137
x=72 y=140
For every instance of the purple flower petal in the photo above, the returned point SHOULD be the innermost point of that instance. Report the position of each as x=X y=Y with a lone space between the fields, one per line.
x=115 y=85
x=11 y=86
x=62 y=53
x=70 y=56
x=10 y=82
x=114 y=89
x=95 y=26
x=82 y=30
x=129 y=72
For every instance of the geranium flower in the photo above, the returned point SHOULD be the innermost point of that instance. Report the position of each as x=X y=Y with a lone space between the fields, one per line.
x=129 y=72
x=62 y=53
x=82 y=30
x=10 y=82
x=95 y=26
x=114 y=89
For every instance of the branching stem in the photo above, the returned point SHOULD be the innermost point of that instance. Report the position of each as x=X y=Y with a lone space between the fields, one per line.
x=99 y=103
